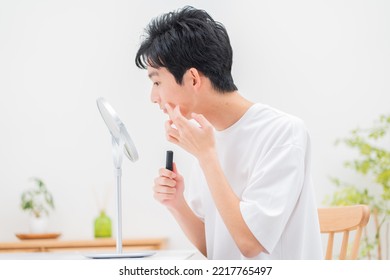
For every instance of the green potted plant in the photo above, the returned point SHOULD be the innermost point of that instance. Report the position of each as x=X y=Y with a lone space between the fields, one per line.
x=373 y=161
x=38 y=202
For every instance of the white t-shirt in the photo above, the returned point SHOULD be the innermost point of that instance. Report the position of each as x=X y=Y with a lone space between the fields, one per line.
x=265 y=157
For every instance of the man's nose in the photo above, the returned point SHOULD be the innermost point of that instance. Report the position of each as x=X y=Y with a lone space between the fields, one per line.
x=154 y=98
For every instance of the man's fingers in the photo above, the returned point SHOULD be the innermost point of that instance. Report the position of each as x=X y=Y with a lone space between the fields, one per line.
x=201 y=120
x=170 y=131
x=164 y=181
x=178 y=119
x=174 y=168
x=176 y=116
x=166 y=173
x=164 y=190
x=163 y=197
x=169 y=110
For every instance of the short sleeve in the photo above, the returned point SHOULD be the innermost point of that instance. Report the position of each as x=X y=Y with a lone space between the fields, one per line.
x=272 y=193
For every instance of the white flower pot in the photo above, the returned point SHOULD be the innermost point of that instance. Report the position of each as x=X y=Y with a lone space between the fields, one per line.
x=38 y=225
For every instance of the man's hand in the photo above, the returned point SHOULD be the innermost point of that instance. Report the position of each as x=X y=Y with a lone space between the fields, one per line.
x=169 y=187
x=197 y=140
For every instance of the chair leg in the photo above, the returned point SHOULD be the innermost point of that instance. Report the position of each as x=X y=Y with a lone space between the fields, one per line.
x=344 y=246
x=329 y=249
x=356 y=243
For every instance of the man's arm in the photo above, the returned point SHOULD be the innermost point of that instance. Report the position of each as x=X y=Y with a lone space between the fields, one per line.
x=168 y=190
x=199 y=141
x=192 y=226
x=228 y=205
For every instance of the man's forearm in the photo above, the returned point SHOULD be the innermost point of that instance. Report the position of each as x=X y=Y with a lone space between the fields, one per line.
x=228 y=205
x=192 y=226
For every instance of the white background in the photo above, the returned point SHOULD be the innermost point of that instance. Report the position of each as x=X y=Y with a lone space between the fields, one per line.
x=325 y=61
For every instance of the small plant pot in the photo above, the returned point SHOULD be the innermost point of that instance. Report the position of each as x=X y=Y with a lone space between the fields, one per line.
x=38 y=225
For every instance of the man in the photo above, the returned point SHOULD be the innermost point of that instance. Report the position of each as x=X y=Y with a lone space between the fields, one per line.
x=250 y=195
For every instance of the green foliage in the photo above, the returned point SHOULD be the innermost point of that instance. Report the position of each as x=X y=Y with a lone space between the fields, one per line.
x=349 y=195
x=37 y=201
x=373 y=160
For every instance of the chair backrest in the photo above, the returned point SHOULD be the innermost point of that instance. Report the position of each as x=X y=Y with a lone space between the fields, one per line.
x=343 y=219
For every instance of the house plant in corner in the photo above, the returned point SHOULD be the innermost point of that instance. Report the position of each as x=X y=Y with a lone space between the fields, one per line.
x=372 y=147
x=38 y=202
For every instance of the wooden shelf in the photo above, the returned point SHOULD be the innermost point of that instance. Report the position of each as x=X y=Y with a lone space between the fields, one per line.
x=98 y=244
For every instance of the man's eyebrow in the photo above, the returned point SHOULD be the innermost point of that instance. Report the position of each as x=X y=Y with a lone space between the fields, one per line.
x=153 y=73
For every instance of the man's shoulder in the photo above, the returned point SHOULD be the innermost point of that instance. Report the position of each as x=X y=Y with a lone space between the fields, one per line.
x=269 y=116
x=278 y=126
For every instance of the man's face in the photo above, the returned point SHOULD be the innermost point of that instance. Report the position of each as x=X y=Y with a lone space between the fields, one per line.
x=165 y=90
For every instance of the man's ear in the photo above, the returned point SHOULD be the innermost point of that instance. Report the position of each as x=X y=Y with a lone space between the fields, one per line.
x=195 y=77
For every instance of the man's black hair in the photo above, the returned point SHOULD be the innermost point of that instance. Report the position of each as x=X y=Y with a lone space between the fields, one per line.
x=189 y=38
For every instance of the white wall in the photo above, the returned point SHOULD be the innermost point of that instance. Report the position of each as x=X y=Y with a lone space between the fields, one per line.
x=324 y=61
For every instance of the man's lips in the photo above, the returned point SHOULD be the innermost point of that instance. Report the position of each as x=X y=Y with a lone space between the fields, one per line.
x=164 y=110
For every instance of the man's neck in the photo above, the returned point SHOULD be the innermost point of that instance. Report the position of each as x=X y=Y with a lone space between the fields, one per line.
x=222 y=110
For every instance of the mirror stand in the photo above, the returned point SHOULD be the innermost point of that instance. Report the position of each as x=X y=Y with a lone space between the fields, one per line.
x=121 y=144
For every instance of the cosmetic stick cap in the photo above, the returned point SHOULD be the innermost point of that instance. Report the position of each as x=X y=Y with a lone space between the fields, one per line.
x=169 y=161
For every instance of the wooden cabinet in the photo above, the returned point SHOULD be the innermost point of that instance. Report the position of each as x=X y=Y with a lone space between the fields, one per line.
x=99 y=244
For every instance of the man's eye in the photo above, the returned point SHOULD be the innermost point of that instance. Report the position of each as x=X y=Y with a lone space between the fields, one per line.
x=156 y=83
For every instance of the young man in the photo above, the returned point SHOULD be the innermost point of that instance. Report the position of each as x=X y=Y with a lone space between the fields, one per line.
x=250 y=195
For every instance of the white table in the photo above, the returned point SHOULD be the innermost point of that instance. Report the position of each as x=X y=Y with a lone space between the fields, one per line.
x=159 y=255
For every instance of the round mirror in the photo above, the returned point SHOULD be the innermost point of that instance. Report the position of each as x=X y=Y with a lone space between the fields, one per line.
x=117 y=128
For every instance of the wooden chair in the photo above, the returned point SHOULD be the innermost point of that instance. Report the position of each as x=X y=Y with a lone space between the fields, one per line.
x=343 y=220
